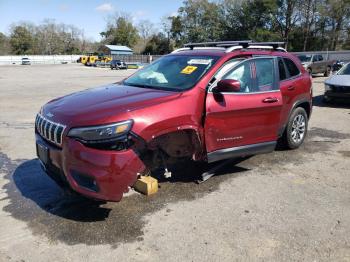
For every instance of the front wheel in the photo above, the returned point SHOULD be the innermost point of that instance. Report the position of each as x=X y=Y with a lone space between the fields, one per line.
x=296 y=130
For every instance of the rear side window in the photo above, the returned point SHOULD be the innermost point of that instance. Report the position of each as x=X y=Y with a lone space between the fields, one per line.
x=264 y=74
x=291 y=67
x=282 y=69
x=320 y=58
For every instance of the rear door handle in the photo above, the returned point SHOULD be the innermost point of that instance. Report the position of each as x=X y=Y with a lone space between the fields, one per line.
x=270 y=100
x=291 y=88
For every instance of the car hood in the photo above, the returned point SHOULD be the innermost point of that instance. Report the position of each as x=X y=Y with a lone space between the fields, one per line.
x=339 y=80
x=105 y=104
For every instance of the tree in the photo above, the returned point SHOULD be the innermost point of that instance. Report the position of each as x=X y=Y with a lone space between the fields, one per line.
x=286 y=16
x=120 y=31
x=145 y=29
x=176 y=30
x=4 y=45
x=249 y=19
x=21 y=40
x=339 y=12
x=199 y=21
x=158 y=45
x=309 y=12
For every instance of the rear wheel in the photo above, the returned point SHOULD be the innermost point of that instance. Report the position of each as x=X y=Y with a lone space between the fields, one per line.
x=296 y=129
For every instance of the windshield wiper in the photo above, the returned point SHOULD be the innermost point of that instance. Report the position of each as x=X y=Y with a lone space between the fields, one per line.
x=139 y=85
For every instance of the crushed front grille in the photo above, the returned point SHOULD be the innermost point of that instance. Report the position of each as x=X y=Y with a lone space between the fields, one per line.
x=49 y=130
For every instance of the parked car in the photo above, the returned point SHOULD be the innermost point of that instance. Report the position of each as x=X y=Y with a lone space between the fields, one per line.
x=338 y=65
x=316 y=64
x=338 y=85
x=118 y=64
x=25 y=61
x=200 y=104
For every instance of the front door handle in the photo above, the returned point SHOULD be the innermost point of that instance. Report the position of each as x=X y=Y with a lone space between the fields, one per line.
x=270 y=100
x=291 y=88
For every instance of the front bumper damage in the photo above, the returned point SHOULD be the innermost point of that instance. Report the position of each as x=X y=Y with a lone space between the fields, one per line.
x=97 y=174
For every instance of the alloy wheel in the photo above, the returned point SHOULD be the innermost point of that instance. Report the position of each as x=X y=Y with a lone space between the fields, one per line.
x=298 y=128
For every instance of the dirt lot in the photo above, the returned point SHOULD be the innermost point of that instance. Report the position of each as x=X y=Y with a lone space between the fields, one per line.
x=283 y=206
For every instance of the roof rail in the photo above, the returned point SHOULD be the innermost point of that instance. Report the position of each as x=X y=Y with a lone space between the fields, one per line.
x=230 y=46
x=199 y=47
x=219 y=44
x=274 y=45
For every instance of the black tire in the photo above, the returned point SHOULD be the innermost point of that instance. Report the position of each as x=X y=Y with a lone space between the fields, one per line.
x=296 y=129
x=328 y=71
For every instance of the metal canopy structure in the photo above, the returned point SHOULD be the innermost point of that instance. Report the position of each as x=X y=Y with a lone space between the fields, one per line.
x=116 y=50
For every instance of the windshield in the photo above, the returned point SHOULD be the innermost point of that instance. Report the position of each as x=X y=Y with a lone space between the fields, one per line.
x=173 y=72
x=345 y=70
x=305 y=58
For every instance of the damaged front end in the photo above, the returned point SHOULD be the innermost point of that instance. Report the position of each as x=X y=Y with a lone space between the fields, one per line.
x=170 y=149
x=103 y=162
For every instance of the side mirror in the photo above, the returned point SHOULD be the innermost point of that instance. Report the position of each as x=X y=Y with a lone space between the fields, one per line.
x=227 y=85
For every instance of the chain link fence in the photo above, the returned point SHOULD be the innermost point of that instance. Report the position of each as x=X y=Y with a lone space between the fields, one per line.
x=137 y=58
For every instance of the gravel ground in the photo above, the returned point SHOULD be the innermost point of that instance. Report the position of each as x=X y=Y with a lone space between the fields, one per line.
x=282 y=206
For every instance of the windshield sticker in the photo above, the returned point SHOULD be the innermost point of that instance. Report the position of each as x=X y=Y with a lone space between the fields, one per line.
x=199 y=61
x=188 y=70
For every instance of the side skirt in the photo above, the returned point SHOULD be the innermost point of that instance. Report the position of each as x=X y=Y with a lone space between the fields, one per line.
x=241 y=151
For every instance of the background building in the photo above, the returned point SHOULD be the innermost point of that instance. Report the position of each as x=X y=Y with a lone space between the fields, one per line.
x=115 y=50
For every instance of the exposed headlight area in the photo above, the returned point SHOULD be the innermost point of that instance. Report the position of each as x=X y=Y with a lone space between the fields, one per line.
x=106 y=137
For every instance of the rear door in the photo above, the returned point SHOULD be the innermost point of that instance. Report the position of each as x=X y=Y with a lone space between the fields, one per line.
x=291 y=86
x=250 y=116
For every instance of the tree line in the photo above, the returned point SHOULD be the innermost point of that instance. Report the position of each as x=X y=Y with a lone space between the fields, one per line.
x=44 y=39
x=304 y=25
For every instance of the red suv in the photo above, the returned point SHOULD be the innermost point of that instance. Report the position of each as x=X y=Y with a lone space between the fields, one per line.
x=205 y=102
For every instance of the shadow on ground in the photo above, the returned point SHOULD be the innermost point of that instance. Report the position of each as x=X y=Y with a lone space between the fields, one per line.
x=37 y=200
x=339 y=103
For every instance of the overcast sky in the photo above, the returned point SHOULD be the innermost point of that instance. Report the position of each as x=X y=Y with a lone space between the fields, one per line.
x=89 y=15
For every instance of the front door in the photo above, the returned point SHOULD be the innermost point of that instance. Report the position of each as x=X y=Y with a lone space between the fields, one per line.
x=249 y=117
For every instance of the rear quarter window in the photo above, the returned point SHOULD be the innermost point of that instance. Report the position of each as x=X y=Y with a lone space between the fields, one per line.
x=282 y=69
x=291 y=67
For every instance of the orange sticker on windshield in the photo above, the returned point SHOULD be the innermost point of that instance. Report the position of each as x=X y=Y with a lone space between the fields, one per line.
x=188 y=70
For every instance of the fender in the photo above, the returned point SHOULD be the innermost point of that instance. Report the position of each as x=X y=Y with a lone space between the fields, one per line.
x=194 y=128
x=141 y=145
x=295 y=105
